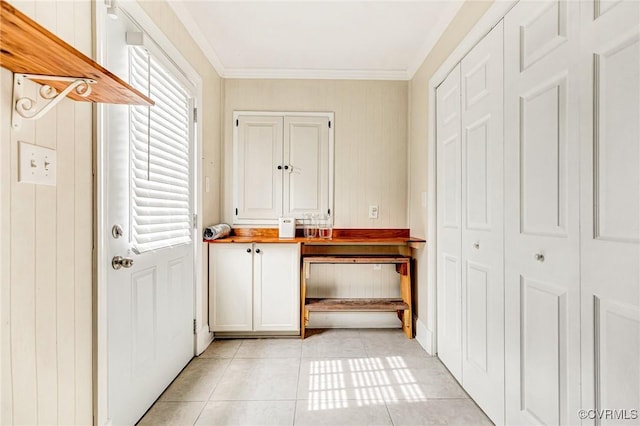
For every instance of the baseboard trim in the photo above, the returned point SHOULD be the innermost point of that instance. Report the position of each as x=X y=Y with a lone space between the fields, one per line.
x=203 y=338
x=424 y=336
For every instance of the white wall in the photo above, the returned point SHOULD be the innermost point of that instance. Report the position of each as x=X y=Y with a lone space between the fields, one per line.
x=46 y=250
x=370 y=141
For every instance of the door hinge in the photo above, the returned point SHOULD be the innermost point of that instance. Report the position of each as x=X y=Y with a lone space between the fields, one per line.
x=237 y=122
x=194 y=326
x=329 y=123
x=195 y=115
x=195 y=220
x=329 y=211
x=236 y=211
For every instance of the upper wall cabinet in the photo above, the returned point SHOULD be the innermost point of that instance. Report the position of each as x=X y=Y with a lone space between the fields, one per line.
x=283 y=165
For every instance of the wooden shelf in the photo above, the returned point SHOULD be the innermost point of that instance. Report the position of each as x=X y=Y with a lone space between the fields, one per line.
x=355 y=305
x=28 y=48
x=357 y=259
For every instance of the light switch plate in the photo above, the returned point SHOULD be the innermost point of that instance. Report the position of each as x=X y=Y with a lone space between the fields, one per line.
x=373 y=212
x=37 y=164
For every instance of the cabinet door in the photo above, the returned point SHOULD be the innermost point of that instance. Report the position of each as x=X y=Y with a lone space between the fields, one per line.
x=449 y=182
x=258 y=180
x=610 y=207
x=542 y=291
x=482 y=225
x=307 y=163
x=276 y=277
x=230 y=288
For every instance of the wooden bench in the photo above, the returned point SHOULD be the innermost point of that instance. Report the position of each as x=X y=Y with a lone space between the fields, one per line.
x=402 y=306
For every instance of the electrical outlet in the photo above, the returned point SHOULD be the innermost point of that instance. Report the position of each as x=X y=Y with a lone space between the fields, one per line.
x=373 y=212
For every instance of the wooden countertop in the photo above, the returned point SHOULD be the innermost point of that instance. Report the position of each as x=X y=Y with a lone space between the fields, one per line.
x=339 y=237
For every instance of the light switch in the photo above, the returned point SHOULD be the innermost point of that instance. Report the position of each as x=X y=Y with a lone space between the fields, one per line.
x=37 y=164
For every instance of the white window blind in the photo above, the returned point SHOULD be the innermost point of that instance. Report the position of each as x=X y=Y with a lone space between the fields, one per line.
x=160 y=166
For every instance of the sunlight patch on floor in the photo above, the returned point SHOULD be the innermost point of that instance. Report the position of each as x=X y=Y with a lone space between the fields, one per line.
x=361 y=381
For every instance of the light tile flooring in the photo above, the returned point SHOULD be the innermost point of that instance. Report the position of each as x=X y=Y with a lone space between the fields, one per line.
x=333 y=377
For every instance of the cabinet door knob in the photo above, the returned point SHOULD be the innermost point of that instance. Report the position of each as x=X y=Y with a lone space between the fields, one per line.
x=539 y=257
x=257 y=250
x=286 y=167
x=248 y=250
x=476 y=245
x=279 y=167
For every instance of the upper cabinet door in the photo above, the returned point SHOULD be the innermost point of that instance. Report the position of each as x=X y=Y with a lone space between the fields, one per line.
x=258 y=168
x=307 y=166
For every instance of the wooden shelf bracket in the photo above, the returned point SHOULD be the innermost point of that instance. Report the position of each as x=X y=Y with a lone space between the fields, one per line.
x=25 y=108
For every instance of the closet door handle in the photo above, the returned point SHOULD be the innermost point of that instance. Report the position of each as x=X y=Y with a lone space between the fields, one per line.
x=286 y=167
x=258 y=251
x=279 y=167
x=248 y=250
x=476 y=245
x=539 y=257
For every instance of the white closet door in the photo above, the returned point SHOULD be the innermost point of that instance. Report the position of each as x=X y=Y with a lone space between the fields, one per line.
x=306 y=162
x=449 y=177
x=542 y=291
x=610 y=210
x=482 y=225
x=258 y=154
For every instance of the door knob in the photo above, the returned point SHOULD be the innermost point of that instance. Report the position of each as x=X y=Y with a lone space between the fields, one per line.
x=121 y=262
x=476 y=245
x=248 y=250
x=539 y=257
x=257 y=250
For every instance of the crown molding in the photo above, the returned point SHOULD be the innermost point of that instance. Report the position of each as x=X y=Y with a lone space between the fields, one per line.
x=438 y=29
x=192 y=28
x=292 y=73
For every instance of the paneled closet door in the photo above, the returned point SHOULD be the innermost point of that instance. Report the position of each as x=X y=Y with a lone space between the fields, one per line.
x=482 y=225
x=610 y=209
x=449 y=177
x=542 y=288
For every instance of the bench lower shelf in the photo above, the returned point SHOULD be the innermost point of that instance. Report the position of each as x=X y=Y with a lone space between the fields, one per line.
x=355 y=305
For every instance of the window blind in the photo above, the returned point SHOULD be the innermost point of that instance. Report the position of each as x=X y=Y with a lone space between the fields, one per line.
x=160 y=166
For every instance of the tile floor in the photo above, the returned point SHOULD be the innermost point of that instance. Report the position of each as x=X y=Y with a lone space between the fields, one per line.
x=333 y=377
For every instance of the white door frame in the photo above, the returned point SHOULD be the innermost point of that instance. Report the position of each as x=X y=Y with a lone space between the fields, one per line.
x=202 y=337
x=496 y=12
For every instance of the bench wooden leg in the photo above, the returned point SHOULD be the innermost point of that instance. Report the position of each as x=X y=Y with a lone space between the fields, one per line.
x=405 y=291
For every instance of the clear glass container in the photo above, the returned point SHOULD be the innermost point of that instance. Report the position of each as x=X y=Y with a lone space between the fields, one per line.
x=310 y=225
x=325 y=228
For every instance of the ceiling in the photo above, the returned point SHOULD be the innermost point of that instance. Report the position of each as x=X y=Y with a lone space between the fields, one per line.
x=381 y=40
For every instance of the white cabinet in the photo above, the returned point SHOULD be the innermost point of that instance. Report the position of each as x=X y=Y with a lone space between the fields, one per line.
x=283 y=165
x=254 y=287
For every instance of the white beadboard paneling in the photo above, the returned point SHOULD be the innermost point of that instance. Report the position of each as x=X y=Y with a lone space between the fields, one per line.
x=370 y=141
x=47 y=250
x=6 y=397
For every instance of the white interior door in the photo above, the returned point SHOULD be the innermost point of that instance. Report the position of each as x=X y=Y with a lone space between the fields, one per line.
x=449 y=183
x=542 y=288
x=306 y=159
x=482 y=225
x=150 y=303
x=259 y=167
x=610 y=207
